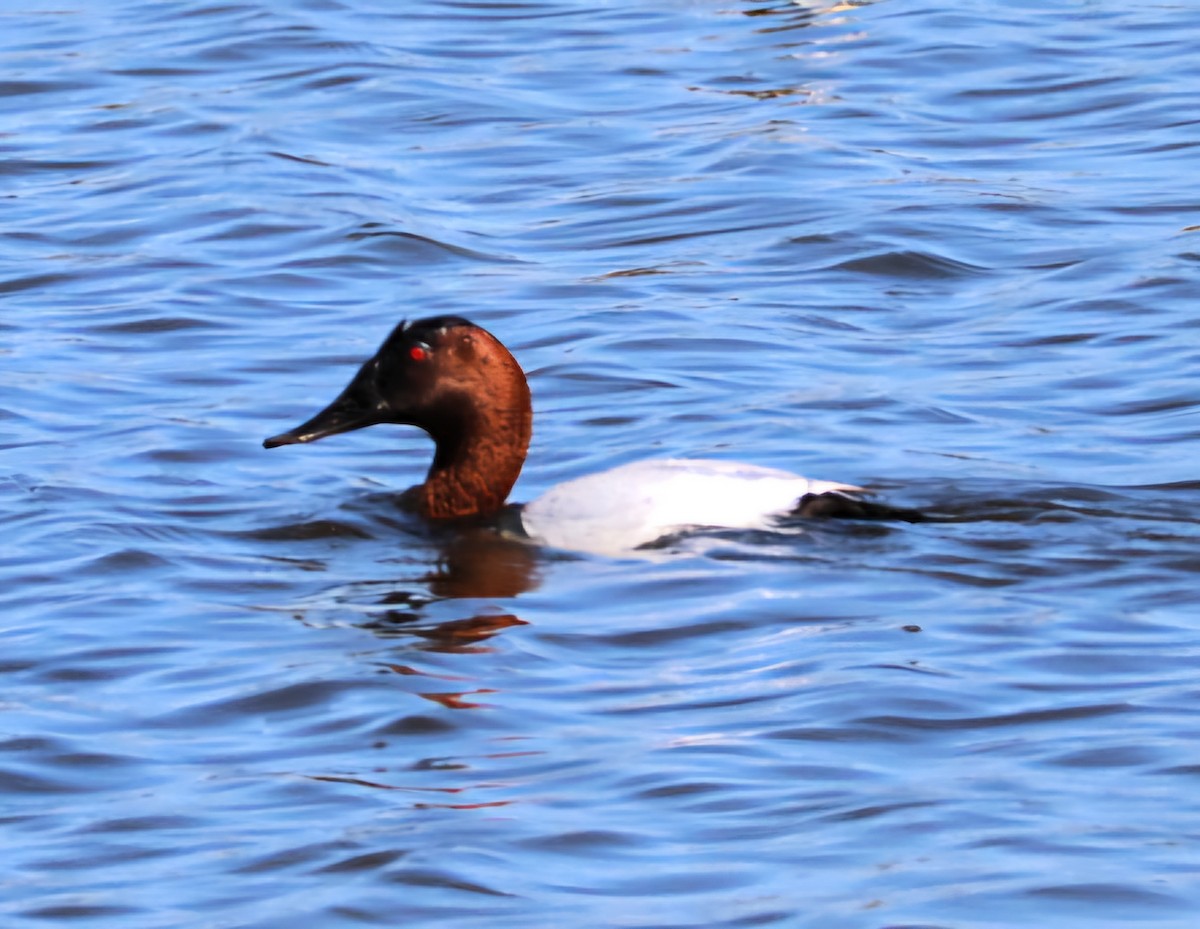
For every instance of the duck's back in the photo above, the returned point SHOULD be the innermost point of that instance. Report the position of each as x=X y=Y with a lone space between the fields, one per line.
x=618 y=510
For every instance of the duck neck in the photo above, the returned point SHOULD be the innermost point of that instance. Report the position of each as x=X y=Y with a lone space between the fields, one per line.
x=477 y=463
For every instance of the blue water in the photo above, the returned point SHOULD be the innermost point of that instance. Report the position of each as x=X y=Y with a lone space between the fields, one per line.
x=948 y=252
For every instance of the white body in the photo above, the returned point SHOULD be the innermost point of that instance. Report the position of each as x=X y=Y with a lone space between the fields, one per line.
x=616 y=511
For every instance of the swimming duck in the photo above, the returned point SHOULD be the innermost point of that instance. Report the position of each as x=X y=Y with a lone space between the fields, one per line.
x=460 y=384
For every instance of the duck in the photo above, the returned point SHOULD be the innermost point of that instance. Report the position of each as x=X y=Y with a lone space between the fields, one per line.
x=463 y=387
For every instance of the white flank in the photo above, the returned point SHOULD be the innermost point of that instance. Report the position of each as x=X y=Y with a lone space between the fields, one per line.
x=616 y=511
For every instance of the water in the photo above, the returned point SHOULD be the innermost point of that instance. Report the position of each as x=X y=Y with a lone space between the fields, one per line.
x=950 y=252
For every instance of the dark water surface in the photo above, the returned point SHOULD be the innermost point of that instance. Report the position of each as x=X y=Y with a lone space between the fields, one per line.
x=948 y=251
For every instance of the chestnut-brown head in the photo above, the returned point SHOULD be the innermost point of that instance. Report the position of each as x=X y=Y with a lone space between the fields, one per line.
x=462 y=386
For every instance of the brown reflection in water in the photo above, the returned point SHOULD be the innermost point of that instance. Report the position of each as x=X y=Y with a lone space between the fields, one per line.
x=457 y=701
x=483 y=563
x=455 y=635
x=461 y=806
x=450 y=699
x=472 y=564
x=475 y=564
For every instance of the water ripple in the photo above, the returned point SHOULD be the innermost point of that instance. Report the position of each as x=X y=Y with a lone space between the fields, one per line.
x=941 y=251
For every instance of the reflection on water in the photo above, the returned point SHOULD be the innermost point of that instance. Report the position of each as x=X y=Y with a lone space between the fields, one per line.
x=946 y=252
x=475 y=564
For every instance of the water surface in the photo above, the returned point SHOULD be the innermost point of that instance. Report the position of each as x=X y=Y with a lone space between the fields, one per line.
x=949 y=252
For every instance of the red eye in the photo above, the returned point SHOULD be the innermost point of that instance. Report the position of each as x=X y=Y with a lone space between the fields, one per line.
x=418 y=353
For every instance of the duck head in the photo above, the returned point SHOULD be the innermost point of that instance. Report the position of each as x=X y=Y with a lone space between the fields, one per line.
x=457 y=382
